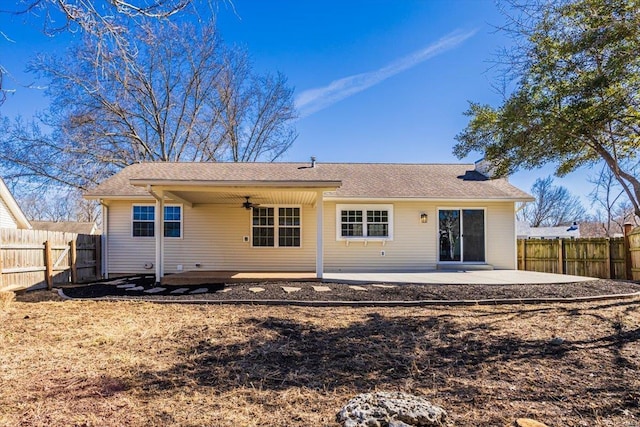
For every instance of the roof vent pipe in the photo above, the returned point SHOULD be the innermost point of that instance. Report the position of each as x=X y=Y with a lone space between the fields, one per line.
x=313 y=161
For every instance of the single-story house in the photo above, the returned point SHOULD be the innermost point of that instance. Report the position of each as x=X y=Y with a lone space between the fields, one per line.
x=290 y=217
x=525 y=231
x=77 y=227
x=11 y=216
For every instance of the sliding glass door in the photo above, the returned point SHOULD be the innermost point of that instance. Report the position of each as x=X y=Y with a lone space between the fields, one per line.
x=461 y=235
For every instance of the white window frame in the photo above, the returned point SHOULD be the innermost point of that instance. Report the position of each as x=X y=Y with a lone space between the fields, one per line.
x=154 y=220
x=276 y=227
x=364 y=208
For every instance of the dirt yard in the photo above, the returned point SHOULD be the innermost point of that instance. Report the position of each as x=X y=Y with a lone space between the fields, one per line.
x=85 y=363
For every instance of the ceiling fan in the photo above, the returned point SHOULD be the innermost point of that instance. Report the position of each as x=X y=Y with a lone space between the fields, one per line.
x=247 y=204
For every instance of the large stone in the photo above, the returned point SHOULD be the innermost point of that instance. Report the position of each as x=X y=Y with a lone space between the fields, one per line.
x=394 y=409
x=527 y=422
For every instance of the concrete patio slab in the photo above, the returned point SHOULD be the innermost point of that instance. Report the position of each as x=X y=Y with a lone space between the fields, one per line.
x=211 y=277
x=481 y=277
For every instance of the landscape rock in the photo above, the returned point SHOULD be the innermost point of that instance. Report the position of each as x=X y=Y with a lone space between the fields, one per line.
x=557 y=341
x=390 y=409
x=526 y=422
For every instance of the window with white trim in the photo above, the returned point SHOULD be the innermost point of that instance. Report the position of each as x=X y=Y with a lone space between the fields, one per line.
x=144 y=216
x=369 y=222
x=267 y=234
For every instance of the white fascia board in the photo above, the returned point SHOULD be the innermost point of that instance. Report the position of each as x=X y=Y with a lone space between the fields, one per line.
x=106 y=198
x=328 y=198
x=170 y=183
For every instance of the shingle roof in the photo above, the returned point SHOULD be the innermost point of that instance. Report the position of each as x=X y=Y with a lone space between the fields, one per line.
x=359 y=180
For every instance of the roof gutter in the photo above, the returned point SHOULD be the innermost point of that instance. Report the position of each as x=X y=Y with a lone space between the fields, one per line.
x=236 y=183
x=424 y=199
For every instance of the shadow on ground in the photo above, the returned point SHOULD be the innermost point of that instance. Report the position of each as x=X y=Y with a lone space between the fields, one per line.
x=466 y=360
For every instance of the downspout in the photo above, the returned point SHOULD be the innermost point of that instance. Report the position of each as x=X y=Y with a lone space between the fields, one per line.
x=104 y=240
x=319 y=234
x=159 y=233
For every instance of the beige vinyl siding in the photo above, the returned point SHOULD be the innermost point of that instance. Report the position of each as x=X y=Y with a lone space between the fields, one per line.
x=212 y=237
x=500 y=236
x=6 y=218
x=415 y=245
x=127 y=254
x=412 y=248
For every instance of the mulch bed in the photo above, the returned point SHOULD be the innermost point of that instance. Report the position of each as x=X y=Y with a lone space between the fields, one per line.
x=343 y=292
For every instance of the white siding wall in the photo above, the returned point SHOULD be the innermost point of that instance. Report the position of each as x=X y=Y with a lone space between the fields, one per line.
x=213 y=238
x=501 y=236
x=415 y=245
x=6 y=218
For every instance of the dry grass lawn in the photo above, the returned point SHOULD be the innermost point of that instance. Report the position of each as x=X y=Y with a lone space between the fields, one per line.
x=79 y=363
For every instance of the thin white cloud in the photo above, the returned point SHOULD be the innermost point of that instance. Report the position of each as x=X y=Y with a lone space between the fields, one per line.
x=313 y=100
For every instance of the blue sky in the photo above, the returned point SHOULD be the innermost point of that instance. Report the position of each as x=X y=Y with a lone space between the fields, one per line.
x=375 y=81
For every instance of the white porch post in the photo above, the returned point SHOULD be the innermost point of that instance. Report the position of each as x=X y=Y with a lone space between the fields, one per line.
x=159 y=232
x=319 y=234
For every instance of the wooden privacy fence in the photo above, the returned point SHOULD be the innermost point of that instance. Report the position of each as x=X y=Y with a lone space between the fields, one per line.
x=634 y=253
x=37 y=258
x=606 y=258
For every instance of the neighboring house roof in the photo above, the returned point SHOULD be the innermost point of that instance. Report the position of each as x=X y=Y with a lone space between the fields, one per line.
x=6 y=198
x=353 y=180
x=66 y=226
x=524 y=231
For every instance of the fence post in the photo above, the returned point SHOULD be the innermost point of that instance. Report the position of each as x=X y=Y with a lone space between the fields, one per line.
x=1 y=264
x=628 y=227
x=608 y=266
x=48 y=265
x=560 y=253
x=73 y=260
x=97 y=244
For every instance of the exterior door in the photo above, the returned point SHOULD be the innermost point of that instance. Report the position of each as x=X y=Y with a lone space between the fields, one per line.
x=461 y=235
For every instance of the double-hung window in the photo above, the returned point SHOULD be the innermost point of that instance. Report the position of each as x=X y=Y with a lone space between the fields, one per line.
x=144 y=216
x=143 y=221
x=276 y=227
x=369 y=222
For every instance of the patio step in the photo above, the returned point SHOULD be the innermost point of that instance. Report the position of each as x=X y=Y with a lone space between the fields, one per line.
x=464 y=267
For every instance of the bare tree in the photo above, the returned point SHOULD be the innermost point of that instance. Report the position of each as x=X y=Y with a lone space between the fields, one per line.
x=554 y=206
x=107 y=21
x=606 y=197
x=179 y=101
x=59 y=204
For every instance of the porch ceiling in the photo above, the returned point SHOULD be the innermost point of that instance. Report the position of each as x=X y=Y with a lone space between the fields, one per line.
x=237 y=196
